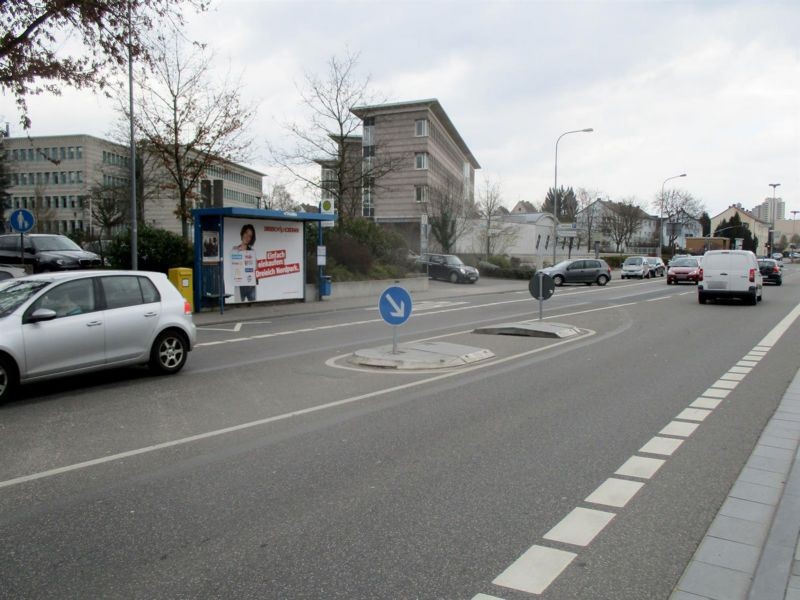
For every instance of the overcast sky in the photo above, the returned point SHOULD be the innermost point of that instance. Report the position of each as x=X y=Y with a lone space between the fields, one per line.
x=711 y=89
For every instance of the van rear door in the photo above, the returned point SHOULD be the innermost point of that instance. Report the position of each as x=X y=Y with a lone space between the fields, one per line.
x=716 y=271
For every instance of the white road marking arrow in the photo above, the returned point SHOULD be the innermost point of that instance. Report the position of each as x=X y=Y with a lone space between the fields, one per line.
x=399 y=311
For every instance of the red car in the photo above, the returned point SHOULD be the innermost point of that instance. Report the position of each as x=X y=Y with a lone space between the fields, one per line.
x=683 y=269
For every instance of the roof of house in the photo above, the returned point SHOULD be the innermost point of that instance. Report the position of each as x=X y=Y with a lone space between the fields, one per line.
x=746 y=213
x=433 y=105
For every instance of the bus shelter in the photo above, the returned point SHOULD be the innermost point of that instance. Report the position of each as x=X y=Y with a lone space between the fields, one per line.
x=244 y=255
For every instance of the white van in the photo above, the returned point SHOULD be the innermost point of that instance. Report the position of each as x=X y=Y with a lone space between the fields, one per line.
x=729 y=274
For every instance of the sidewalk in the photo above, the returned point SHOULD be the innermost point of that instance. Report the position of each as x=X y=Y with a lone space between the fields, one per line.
x=750 y=551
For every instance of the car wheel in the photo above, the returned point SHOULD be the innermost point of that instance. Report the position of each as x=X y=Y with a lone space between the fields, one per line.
x=453 y=277
x=602 y=280
x=669 y=282
x=753 y=299
x=169 y=352
x=701 y=298
x=8 y=379
x=558 y=279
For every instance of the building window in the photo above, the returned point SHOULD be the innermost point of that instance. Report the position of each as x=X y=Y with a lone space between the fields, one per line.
x=369 y=121
x=369 y=151
x=546 y=242
x=421 y=160
x=30 y=154
x=71 y=152
x=421 y=193
x=421 y=128
x=368 y=136
x=538 y=240
x=79 y=152
x=328 y=175
x=367 y=205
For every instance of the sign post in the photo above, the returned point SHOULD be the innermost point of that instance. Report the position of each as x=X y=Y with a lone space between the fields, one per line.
x=541 y=286
x=395 y=308
x=22 y=220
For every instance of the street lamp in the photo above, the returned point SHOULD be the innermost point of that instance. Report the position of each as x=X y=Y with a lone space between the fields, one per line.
x=661 y=212
x=794 y=220
x=555 y=188
x=772 y=210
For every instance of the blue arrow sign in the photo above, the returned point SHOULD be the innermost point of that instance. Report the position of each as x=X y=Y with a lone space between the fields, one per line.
x=395 y=305
x=21 y=220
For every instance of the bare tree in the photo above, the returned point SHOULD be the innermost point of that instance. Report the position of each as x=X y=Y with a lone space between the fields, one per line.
x=680 y=208
x=332 y=138
x=188 y=123
x=41 y=214
x=34 y=59
x=587 y=215
x=621 y=222
x=447 y=214
x=109 y=208
x=495 y=235
x=280 y=198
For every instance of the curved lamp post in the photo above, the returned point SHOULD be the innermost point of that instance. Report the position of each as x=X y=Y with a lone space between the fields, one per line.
x=772 y=210
x=661 y=213
x=555 y=188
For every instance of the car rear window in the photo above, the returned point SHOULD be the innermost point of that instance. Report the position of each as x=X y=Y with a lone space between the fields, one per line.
x=128 y=290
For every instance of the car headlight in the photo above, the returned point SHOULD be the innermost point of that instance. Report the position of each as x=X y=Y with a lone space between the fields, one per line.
x=462 y=270
x=60 y=261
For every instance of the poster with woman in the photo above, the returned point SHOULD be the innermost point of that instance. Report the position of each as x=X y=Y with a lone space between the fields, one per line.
x=264 y=261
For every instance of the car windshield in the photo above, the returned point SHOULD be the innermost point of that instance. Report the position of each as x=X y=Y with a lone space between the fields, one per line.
x=633 y=260
x=453 y=260
x=56 y=242
x=685 y=262
x=563 y=264
x=14 y=292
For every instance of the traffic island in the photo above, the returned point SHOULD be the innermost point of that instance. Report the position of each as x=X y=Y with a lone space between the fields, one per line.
x=531 y=329
x=421 y=356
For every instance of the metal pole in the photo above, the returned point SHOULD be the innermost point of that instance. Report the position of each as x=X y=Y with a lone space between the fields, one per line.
x=394 y=339
x=555 y=188
x=134 y=228
x=540 y=275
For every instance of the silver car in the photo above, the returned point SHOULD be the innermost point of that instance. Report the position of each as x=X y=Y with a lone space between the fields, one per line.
x=66 y=323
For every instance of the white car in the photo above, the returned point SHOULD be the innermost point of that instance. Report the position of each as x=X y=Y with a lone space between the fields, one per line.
x=72 y=322
x=635 y=266
x=730 y=274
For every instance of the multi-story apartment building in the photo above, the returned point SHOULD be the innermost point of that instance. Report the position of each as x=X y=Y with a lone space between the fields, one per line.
x=411 y=151
x=770 y=210
x=57 y=177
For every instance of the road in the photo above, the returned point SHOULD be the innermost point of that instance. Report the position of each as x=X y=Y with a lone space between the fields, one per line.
x=273 y=468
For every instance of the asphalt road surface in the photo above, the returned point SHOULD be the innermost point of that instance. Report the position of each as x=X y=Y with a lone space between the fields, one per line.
x=271 y=467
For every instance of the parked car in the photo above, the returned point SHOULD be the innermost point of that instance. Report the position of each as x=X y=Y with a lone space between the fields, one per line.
x=47 y=252
x=657 y=266
x=635 y=266
x=730 y=274
x=55 y=324
x=448 y=267
x=771 y=271
x=100 y=247
x=684 y=269
x=580 y=270
x=9 y=272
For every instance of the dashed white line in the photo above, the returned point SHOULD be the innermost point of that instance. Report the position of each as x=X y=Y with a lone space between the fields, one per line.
x=725 y=384
x=580 y=526
x=535 y=570
x=716 y=393
x=661 y=445
x=614 y=492
x=742 y=370
x=640 y=466
x=708 y=403
x=733 y=376
x=693 y=414
x=679 y=429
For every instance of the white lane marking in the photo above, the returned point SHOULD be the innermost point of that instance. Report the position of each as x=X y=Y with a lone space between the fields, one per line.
x=724 y=384
x=732 y=376
x=641 y=467
x=580 y=526
x=679 y=429
x=758 y=352
x=746 y=363
x=535 y=570
x=773 y=336
x=763 y=348
x=657 y=299
x=282 y=417
x=752 y=358
x=661 y=445
x=485 y=597
x=235 y=328
x=743 y=370
x=614 y=492
x=709 y=403
x=716 y=393
x=693 y=414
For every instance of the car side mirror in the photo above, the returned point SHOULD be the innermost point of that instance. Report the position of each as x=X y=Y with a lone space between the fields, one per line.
x=42 y=314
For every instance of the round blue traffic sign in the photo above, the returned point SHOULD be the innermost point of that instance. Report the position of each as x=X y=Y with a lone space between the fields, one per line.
x=21 y=220
x=395 y=305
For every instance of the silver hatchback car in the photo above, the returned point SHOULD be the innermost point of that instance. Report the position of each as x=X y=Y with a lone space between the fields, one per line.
x=72 y=322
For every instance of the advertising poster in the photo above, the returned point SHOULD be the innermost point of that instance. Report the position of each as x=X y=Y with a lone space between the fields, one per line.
x=263 y=260
x=210 y=247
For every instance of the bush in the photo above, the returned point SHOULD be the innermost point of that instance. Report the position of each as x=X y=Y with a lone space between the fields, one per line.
x=157 y=249
x=501 y=261
x=615 y=262
x=509 y=273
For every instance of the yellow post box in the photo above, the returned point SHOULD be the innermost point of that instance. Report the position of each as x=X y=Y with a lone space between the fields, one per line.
x=183 y=280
